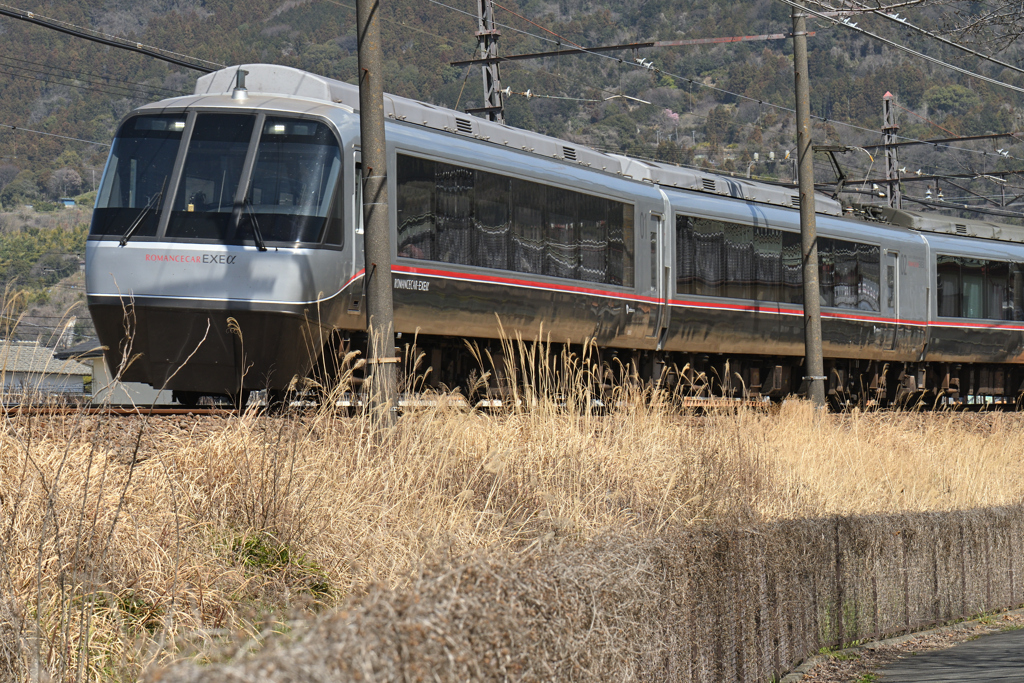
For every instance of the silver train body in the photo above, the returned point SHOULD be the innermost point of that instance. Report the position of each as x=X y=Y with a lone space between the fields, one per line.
x=226 y=254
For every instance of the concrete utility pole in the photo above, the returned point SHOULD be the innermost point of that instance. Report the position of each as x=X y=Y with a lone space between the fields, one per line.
x=380 y=306
x=892 y=164
x=814 y=366
x=487 y=36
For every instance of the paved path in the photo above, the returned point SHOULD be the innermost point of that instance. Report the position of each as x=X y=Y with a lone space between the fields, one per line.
x=995 y=658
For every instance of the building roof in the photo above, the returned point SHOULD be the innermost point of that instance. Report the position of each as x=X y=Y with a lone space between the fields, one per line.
x=87 y=350
x=31 y=357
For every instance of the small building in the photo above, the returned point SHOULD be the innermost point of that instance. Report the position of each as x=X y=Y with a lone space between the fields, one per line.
x=67 y=202
x=31 y=373
x=105 y=389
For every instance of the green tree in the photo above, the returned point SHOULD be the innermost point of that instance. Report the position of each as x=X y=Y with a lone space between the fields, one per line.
x=951 y=99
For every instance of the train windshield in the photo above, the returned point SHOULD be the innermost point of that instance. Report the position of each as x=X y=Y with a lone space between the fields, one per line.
x=288 y=191
x=240 y=183
x=204 y=205
x=140 y=166
x=297 y=168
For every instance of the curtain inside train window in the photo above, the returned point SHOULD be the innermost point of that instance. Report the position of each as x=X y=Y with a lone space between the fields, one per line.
x=998 y=299
x=972 y=287
x=869 y=266
x=768 y=264
x=454 y=211
x=417 y=186
x=456 y=214
x=948 y=295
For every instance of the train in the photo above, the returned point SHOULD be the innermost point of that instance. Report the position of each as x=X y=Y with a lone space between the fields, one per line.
x=225 y=256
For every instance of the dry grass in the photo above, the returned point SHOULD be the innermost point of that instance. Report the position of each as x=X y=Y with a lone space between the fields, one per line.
x=123 y=543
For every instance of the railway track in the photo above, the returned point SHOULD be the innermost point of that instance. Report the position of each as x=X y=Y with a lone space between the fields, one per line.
x=410 y=403
x=113 y=411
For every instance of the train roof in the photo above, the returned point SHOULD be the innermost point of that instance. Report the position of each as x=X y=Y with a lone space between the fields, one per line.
x=269 y=79
x=949 y=225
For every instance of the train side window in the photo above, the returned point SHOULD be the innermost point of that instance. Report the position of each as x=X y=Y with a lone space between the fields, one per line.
x=738 y=253
x=415 y=205
x=492 y=221
x=561 y=248
x=454 y=211
x=460 y=215
x=528 y=226
x=621 y=246
x=708 y=256
x=792 y=269
x=655 y=219
x=1016 y=291
x=593 y=231
x=972 y=285
x=869 y=271
x=768 y=264
x=998 y=301
x=948 y=273
x=847 y=278
x=826 y=271
x=684 y=255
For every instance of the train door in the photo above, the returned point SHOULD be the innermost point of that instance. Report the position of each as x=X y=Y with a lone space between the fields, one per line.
x=891 y=296
x=658 y=280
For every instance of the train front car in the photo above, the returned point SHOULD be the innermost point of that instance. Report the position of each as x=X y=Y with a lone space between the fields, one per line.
x=216 y=253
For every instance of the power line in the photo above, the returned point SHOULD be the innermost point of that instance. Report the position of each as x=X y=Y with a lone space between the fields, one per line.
x=175 y=58
x=895 y=17
x=53 y=135
x=964 y=207
x=95 y=75
x=903 y=48
x=108 y=86
x=652 y=68
x=394 y=21
x=691 y=81
x=76 y=87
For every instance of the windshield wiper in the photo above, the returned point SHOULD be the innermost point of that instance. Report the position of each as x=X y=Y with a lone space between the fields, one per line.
x=257 y=236
x=153 y=201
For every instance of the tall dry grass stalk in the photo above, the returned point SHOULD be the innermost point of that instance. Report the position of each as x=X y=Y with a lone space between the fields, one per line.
x=125 y=542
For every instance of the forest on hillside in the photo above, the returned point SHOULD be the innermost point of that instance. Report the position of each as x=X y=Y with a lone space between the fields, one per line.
x=707 y=105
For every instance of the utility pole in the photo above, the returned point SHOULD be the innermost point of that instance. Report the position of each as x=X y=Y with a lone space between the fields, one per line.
x=814 y=366
x=380 y=307
x=892 y=172
x=487 y=37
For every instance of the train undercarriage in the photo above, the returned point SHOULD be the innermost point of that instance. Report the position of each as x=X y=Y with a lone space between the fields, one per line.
x=489 y=372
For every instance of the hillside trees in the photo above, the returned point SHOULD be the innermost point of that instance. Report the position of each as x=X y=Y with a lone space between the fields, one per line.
x=722 y=92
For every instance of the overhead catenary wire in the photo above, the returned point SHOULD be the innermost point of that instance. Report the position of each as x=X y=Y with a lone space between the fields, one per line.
x=93 y=88
x=691 y=81
x=903 y=48
x=393 y=21
x=108 y=80
x=529 y=94
x=52 y=135
x=894 y=17
x=98 y=87
x=176 y=58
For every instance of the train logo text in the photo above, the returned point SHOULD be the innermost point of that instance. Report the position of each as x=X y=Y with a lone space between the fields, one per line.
x=223 y=259
x=417 y=285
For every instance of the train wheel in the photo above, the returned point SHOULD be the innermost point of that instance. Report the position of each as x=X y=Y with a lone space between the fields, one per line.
x=188 y=399
x=276 y=401
x=240 y=400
